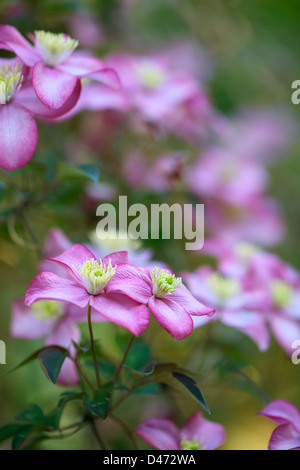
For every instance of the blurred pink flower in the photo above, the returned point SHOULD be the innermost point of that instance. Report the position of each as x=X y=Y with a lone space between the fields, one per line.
x=235 y=307
x=89 y=285
x=287 y=435
x=197 y=433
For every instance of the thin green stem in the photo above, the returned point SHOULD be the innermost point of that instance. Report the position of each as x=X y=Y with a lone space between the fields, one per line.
x=117 y=373
x=82 y=372
x=93 y=348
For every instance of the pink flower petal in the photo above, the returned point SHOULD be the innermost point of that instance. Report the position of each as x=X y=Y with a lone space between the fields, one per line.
x=26 y=325
x=81 y=65
x=183 y=297
x=172 y=317
x=282 y=412
x=211 y=435
x=15 y=41
x=286 y=331
x=48 y=285
x=29 y=100
x=123 y=311
x=132 y=281
x=250 y=323
x=118 y=257
x=53 y=87
x=18 y=136
x=73 y=259
x=160 y=433
x=284 y=438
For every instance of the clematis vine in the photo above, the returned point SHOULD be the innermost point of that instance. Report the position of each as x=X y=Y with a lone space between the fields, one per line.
x=197 y=433
x=287 y=435
x=168 y=299
x=88 y=285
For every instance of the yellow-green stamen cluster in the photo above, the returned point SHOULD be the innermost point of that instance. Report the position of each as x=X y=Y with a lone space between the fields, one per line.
x=281 y=292
x=55 y=48
x=163 y=282
x=224 y=287
x=46 y=309
x=10 y=82
x=95 y=276
x=191 y=445
x=150 y=75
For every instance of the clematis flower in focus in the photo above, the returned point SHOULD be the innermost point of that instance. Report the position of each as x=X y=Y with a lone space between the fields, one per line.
x=18 y=105
x=287 y=435
x=88 y=284
x=56 y=66
x=168 y=299
x=54 y=320
x=197 y=433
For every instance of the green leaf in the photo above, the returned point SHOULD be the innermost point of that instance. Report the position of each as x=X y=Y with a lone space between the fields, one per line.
x=33 y=415
x=21 y=435
x=9 y=431
x=53 y=419
x=99 y=405
x=52 y=359
x=87 y=171
x=191 y=385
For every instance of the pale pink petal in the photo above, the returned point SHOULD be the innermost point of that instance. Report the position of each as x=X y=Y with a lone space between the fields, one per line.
x=79 y=315
x=18 y=136
x=132 y=281
x=73 y=259
x=123 y=311
x=285 y=438
x=25 y=324
x=18 y=44
x=52 y=86
x=29 y=100
x=119 y=257
x=251 y=323
x=282 y=412
x=172 y=317
x=68 y=375
x=286 y=331
x=209 y=434
x=49 y=286
x=183 y=297
x=81 y=65
x=160 y=433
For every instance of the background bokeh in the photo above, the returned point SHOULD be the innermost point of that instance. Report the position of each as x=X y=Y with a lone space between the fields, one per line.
x=250 y=55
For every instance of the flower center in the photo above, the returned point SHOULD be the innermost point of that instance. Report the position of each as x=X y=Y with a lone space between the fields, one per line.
x=45 y=309
x=246 y=250
x=163 y=282
x=95 y=276
x=224 y=287
x=55 y=48
x=191 y=445
x=10 y=82
x=281 y=292
x=150 y=74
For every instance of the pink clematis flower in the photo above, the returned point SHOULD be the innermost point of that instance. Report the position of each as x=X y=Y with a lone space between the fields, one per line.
x=89 y=285
x=18 y=105
x=197 y=433
x=56 y=67
x=235 y=306
x=287 y=435
x=57 y=322
x=168 y=299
